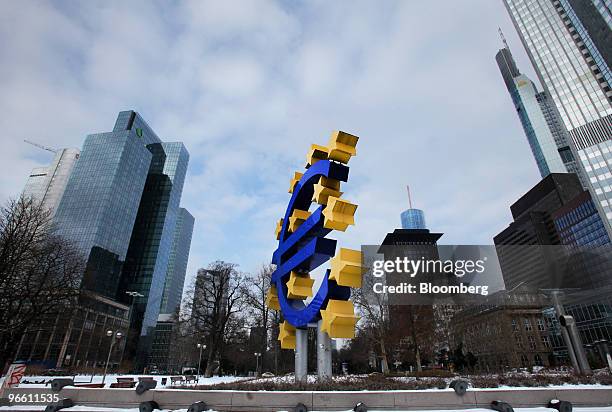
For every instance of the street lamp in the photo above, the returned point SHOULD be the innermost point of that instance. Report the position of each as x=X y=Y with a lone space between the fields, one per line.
x=200 y=346
x=257 y=355
x=115 y=336
x=134 y=294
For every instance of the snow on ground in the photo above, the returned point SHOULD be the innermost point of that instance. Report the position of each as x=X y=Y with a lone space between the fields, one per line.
x=96 y=409
x=113 y=378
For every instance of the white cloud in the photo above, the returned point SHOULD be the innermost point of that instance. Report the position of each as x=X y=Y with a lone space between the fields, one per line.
x=249 y=85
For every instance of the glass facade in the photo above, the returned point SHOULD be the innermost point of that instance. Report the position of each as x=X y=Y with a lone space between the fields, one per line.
x=413 y=219
x=47 y=184
x=147 y=258
x=99 y=206
x=545 y=134
x=573 y=70
x=120 y=207
x=177 y=262
x=581 y=225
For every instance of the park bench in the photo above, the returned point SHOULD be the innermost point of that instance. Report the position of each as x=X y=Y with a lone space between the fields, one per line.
x=145 y=378
x=176 y=379
x=191 y=378
x=123 y=383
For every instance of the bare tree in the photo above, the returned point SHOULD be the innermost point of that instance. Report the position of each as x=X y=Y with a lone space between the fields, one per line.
x=374 y=311
x=218 y=298
x=40 y=272
x=255 y=292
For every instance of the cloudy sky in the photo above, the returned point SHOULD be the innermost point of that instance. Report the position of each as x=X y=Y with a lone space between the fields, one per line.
x=249 y=85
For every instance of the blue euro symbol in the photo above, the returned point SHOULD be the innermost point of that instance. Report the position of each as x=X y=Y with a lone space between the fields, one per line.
x=307 y=248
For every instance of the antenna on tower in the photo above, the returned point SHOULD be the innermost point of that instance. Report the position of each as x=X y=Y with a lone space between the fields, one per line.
x=501 y=34
x=409 y=197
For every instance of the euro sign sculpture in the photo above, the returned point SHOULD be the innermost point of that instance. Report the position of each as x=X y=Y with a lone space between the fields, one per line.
x=303 y=247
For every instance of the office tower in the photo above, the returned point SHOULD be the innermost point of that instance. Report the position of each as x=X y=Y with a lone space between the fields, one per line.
x=177 y=263
x=557 y=241
x=47 y=184
x=412 y=218
x=159 y=358
x=572 y=63
x=416 y=323
x=120 y=208
x=545 y=132
x=556 y=211
x=146 y=262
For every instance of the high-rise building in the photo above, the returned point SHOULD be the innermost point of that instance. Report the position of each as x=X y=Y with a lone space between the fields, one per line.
x=557 y=241
x=545 y=133
x=47 y=184
x=412 y=218
x=177 y=263
x=566 y=43
x=120 y=208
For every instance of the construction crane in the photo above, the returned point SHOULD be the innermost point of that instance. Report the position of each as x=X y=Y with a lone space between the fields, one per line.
x=49 y=149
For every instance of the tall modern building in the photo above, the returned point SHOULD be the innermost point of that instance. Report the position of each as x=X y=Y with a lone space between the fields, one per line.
x=558 y=241
x=177 y=264
x=568 y=44
x=545 y=132
x=412 y=218
x=47 y=184
x=120 y=208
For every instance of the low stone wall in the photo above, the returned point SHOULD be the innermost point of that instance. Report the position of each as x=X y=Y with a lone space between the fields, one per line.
x=259 y=401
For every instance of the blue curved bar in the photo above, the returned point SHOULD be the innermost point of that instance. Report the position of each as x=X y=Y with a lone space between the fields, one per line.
x=306 y=248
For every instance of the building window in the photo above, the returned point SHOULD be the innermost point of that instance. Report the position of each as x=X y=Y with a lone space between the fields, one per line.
x=541 y=327
x=538 y=360
x=546 y=341
x=519 y=341
x=527 y=323
x=531 y=340
x=514 y=326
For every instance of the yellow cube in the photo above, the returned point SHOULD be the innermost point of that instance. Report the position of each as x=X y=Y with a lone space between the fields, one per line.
x=339 y=214
x=346 y=268
x=342 y=146
x=324 y=189
x=297 y=218
x=339 y=319
x=316 y=153
x=296 y=178
x=286 y=335
x=279 y=227
x=272 y=298
x=299 y=286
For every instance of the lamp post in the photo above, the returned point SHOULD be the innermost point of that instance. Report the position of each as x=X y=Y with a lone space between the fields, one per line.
x=134 y=294
x=257 y=355
x=115 y=336
x=200 y=346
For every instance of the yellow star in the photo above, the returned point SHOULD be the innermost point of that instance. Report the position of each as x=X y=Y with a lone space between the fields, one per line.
x=286 y=335
x=272 y=298
x=299 y=286
x=338 y=319
x=346 y=268
x=296 y=178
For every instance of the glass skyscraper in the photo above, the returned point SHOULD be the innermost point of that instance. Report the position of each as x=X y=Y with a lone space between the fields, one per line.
x=545 y=133
x=177 y=263
x=120 y=207
x=47 y=184
x=568 y=44
x=413 y=219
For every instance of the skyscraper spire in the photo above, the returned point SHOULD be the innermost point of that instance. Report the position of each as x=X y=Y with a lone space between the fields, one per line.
x=409 y=198
x=501 y=34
